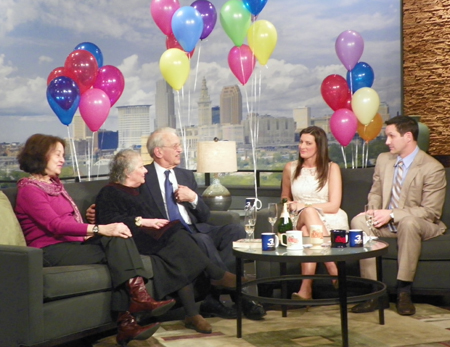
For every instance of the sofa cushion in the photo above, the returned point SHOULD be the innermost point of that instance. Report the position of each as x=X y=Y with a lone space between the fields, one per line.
x=11 y=233
x=66 y=281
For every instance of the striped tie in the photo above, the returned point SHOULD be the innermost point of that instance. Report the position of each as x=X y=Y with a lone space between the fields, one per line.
x=397 y=187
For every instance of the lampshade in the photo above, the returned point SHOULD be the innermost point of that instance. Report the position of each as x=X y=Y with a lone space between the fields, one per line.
x=216 y=156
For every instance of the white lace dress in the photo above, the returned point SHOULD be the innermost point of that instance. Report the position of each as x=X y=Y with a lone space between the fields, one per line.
x=304 y=189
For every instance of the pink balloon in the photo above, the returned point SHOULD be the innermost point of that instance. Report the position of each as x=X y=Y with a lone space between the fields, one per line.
x=349 y=48
x=94 y=108
x=111 y=81
x=343 y=125
x=162 y=12
x=242 y=62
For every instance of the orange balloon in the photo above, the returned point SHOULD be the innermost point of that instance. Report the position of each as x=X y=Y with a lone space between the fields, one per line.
x=370 y=131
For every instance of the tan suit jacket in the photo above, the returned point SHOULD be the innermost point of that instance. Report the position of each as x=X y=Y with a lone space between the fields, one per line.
x=423 y=190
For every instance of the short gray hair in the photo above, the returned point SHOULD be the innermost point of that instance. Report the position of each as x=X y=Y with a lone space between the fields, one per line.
x=122 y=164
x=156 y=139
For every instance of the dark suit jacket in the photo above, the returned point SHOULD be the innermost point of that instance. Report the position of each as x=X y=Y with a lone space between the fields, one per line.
x=153 y=194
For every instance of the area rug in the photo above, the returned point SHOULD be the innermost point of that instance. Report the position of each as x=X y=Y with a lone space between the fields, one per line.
x=317 y=326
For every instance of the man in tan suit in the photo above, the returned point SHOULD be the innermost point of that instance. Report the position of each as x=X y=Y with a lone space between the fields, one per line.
x=407 y=196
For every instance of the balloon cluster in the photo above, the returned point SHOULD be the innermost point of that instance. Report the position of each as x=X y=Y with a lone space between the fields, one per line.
x=236 y=17
x=354 y=102
x=183 y=27
x=86 y=83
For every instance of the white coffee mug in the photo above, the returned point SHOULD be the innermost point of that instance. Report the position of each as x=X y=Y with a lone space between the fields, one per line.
x=294 y=239
x=316 y=235
x=253 y=202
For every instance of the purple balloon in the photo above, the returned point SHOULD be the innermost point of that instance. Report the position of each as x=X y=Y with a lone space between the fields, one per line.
x=343 y=125
x=349 y=48
x=254 y=6
x=209 y=15
x=63 y=96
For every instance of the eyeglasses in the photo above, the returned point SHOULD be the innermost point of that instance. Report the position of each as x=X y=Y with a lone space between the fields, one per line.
x=174 y=147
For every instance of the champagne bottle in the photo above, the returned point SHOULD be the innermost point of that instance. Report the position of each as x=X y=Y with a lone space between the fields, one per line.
x=284 y=223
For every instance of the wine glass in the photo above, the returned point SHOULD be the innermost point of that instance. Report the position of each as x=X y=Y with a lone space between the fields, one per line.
x=368 y=210
x=293 y=214
x=272 y=214
x=249 y=222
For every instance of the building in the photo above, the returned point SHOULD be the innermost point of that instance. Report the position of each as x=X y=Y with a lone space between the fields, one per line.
x=80 y=130
x=164 y=105
x=271 y=131
x=383 y=110
x=204 y=106
x=302 y=117
x=231 y=105
x=134 y=122
x=215 y=114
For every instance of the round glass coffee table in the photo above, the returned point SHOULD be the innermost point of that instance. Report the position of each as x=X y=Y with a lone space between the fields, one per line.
x=372 y=249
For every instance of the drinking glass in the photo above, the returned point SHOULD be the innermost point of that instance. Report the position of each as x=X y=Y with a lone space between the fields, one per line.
x=293 y=214
x=368 y=210
x=249 y=222
x=272 y=213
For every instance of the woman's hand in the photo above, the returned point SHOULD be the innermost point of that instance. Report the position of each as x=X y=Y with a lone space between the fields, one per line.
x=154 y=223
x=295 y=206
x=115 y=230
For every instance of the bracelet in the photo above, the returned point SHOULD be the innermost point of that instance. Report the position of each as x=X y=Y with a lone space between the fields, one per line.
x=95 y=230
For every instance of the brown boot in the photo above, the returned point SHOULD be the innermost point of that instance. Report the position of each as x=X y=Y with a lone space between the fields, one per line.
x=128 y=329
x=140 y=299
x=198 y=323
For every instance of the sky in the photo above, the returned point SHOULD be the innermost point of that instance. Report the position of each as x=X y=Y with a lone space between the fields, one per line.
x=36 y=36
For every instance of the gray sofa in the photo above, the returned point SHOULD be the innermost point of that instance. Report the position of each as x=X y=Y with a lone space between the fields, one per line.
x=49 y=306
x=433 y=272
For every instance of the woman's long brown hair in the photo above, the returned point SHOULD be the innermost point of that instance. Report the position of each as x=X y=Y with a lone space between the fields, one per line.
x=322 y=159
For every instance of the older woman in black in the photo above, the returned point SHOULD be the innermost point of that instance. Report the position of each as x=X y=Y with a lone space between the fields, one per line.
x=176 y=259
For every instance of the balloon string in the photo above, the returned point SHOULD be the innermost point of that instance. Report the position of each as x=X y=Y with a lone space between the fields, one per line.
x=352 y=147
x=367 y=153
x=344 y=157
x=351 y=83
x=73 y=154
x=92 y=152
x=356 y=156
x=197 y=66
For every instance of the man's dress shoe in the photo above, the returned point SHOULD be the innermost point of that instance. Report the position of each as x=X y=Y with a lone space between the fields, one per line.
x=214 y=308
x=370 y=305
x=253 y=310
x=405 y=306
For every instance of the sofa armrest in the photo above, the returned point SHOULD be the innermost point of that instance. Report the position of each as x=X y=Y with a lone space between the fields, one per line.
x=21 y=296
x=223 y=217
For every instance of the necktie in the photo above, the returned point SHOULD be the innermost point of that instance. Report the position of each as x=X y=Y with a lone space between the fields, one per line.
x=396 y=188
x=172 y=207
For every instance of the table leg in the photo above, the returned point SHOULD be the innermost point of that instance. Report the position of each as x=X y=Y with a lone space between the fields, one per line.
x=342 y=278
x=283 y=272
x=239 y=273
x=380 y=299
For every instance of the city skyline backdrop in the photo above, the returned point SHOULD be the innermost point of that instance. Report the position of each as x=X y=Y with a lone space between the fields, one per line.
x=36 y=37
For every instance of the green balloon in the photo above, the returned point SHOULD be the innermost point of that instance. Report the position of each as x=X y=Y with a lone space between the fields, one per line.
x=235 y=20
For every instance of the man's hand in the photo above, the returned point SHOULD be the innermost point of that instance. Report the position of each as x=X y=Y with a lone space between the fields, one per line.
x=381 y=217
x=90 y=214
x=115 y=230
x=184 y=193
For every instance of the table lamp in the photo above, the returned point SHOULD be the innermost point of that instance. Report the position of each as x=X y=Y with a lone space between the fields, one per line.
x=216 y=157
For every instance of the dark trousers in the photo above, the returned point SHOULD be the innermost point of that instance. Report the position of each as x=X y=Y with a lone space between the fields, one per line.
x=217 y=243
x=120 y=255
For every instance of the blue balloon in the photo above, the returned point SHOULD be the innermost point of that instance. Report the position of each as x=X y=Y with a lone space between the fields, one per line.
x=93 y=49
x=187 y=27
x=63 y=96
x=254 y=6
x=361 y=76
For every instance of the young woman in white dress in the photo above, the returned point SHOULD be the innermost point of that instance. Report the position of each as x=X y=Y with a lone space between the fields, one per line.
x=313 y=187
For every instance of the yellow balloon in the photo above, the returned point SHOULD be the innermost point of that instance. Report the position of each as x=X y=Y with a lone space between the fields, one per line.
x=365 y=104
x=262 y=39
x=175 y=67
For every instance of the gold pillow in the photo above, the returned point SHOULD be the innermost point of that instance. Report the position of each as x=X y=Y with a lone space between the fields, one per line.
x=10 y=231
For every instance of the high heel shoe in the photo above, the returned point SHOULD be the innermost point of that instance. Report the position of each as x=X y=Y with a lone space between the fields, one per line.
x=297 y=297
x=140 y=299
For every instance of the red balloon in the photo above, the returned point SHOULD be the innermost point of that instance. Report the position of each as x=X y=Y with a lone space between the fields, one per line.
x=172 y=42
x=83 y=65
x=335 y=92
x=58 y=72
